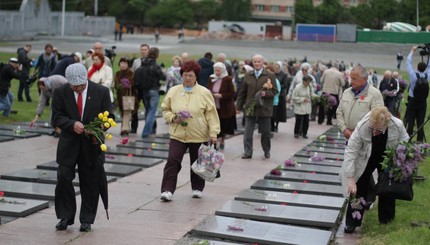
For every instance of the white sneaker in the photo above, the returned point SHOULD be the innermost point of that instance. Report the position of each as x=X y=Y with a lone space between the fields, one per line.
x=166 y=196
x=197 y=194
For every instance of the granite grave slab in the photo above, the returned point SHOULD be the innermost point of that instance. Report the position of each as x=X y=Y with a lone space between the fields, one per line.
x=6 y=138
x=146 y=146
x=41 y=176
x=18 y=207
x=27 y=128
x=313 y=177
x=163 y=136
x=294 y=215
x=193 y=240
x=130 y=160
x=291 y=199
x=24 y=135
x=297 y=187
x=110 y=169
x=153 y=140
x=325 y=162
x=313 y=149
x=332 y=140
x=137 y=152
x=325 y=144
x=328 y=156
x=260 y=232
x=29 y=190
x=313 y=168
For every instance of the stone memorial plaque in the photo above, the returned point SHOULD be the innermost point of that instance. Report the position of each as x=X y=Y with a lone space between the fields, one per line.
x=193 y=240
x=6 y=138
x=260 y=232
x=110 y=169
x=294 y=215
x=41 y=176
x=314 y=149
x=131 y=160
x=327 y=156
x=29 y=190
x=138 y=152
x=331 y=140
x=163 y=136
x=335 y=135
x=325 y=162
x=298 y=187
x=24 y=135
x=154 y=140
x=314 y=178
x=327 y=145
x=18 y=207
x=291 y=199
x=145 y=145
x=27 y=128
x=313 y=168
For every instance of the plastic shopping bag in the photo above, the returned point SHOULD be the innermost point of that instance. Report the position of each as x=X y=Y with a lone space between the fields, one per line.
x=208 y=163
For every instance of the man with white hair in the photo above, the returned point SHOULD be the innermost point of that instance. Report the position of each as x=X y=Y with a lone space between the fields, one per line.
x=74 y=105
x=98 y=48
x=255 y=99
x=389 y=88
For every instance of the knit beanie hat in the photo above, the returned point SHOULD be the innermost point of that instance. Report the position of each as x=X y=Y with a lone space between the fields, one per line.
x=76 y=74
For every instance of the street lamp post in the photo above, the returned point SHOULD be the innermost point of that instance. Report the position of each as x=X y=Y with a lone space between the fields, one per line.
x=63 y=17
x=418 y=15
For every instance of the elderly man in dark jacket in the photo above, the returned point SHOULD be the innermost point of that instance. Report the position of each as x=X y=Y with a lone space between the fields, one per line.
x=255 y=98
x=26 y=65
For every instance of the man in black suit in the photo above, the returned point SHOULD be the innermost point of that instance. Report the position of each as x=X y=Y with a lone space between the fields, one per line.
x=76 y=146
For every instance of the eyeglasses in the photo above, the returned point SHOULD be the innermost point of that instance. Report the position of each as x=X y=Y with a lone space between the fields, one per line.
x=381 y=131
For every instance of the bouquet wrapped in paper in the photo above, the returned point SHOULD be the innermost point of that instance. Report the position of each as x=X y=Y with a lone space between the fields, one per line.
x=208 y=163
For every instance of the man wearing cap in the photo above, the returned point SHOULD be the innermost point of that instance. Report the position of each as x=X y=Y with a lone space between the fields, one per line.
x=74 y=105
x=7 y=73
x=47 y=86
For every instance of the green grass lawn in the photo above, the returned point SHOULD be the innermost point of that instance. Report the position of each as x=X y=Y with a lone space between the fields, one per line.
x=399 y=231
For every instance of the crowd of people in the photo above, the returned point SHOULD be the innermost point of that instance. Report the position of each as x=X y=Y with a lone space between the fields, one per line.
x=201 y=101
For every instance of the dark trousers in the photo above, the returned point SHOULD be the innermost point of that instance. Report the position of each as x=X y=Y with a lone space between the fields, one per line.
x=331 y=112
x=416 y=111
x=89 y=182
x=386 y=204
x=302 y=124
x=24 y=87
x=248 y=135
x=173 y=166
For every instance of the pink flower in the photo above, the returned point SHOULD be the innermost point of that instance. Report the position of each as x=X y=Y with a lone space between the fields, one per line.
x=289 y=163
x=275 y=172
x=124 y=141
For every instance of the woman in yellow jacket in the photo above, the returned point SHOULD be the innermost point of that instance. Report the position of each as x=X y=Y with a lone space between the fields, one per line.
x=190 y=110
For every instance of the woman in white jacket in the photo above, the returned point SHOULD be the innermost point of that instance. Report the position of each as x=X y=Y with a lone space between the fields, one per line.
x=302 y=98
x=374 y=133
x=101 y=73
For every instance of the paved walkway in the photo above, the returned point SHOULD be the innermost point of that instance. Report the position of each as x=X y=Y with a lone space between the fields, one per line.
x=136 y=214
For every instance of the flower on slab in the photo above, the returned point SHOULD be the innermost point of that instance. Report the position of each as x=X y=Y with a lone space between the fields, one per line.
x=289 y=163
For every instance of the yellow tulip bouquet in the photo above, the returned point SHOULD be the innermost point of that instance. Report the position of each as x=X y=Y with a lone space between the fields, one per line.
x=97 y=127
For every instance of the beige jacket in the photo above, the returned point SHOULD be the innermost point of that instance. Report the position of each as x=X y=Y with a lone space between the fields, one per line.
x=204 y=123
x=359 y=148
x=332 y=81
x=104 y=76
x=300 y=94
x=352 y=108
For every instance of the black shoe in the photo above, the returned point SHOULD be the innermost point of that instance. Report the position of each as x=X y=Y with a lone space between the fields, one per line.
x=85 y=227
x=62 y=225
x=52 y=133
x=246 y=157
x=296 y=136
x=56 y=135
x=305 y=136
x=133 y=131
x=329 y=123
x=349 y=229
x=267 y=155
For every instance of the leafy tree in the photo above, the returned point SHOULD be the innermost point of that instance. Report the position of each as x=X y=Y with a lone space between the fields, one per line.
x=169 y=13
x=362 y=15
x=384 y=11
x=142 y=7
x=207 y=10
x=304 y=12
x=235 y=10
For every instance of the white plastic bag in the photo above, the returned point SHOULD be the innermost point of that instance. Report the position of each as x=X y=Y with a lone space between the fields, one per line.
x=208 y=163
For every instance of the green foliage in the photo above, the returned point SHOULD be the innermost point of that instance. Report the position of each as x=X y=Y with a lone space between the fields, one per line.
x=207 y=11
x=236 y=10
x=304 y=12
x=168 y=13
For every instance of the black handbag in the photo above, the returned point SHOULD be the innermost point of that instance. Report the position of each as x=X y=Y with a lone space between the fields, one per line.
x=398 y=190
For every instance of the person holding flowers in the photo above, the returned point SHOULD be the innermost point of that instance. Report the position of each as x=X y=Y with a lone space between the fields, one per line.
x=190 y=111
x=75 y=109
x=125 y=86
x=377 y=131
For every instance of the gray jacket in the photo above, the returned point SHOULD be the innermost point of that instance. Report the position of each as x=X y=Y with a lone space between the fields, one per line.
x=359 y=148
x=56 y=81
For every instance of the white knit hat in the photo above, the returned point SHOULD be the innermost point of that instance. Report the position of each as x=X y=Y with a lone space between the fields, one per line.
x=76 y=74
